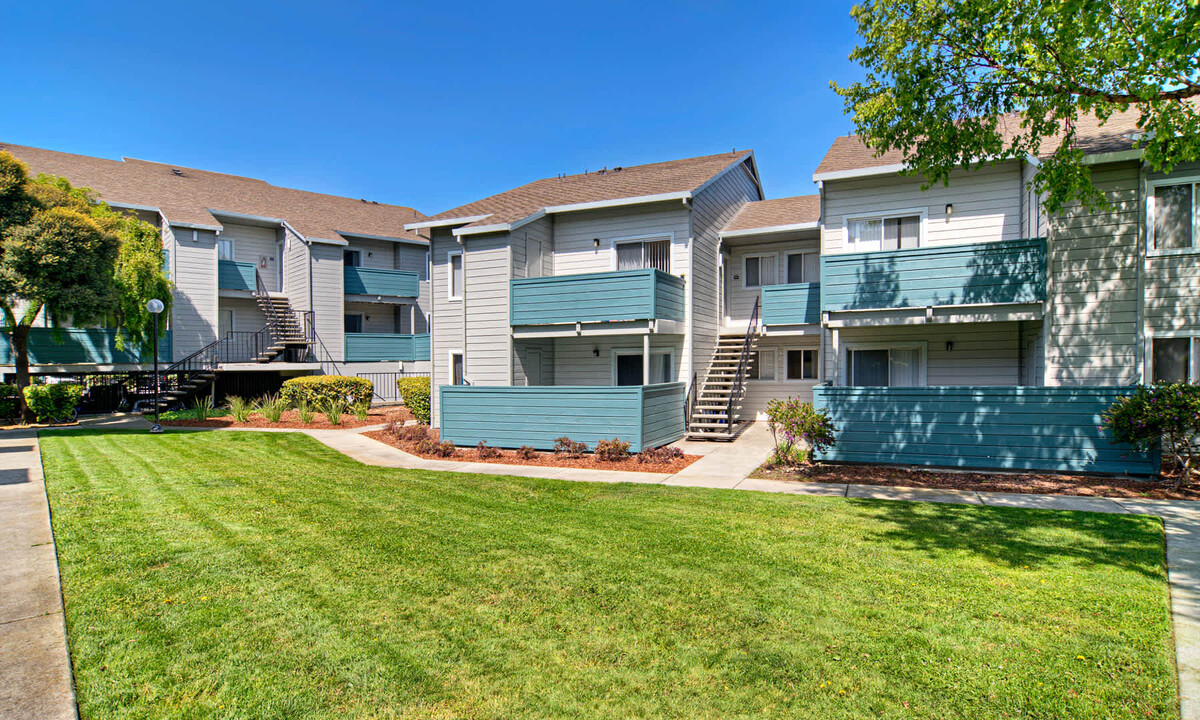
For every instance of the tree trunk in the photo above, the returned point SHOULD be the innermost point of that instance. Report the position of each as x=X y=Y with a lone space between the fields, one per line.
x=20 y=346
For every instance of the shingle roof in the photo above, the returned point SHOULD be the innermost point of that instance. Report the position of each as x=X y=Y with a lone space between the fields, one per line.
x=776 y=213
x=675 y=176
x=187 y=195
x=850 y=153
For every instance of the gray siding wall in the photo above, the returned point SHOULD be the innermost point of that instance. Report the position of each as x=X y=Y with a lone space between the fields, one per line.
x=575 y=234
x=760 y=392
x=295 y=270
x=194 y=317
x=575 y=361
x=247 y=317
x=712 y=208
x=252 y=244
x=1172 y=282
x=740 y=299
x=523 y=358
x=543 y=231
x=328 y=295
x=447 y=336
x=410 y=258
x=1092 y=317
x=377 y=254
x=982 y=353
x=987 y=205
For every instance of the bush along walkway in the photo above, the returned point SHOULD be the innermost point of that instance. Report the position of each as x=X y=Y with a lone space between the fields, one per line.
x=35 y=669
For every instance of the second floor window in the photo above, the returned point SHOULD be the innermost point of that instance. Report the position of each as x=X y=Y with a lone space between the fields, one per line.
x=454 y=262
x=352 y=258
x=898 y=232
x=885 y=367
x=641 y=254
x=803 y=268
x=224 y=249
x=1175 y=220
x=759 y=271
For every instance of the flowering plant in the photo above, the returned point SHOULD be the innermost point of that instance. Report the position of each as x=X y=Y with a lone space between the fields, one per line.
x=799 y=430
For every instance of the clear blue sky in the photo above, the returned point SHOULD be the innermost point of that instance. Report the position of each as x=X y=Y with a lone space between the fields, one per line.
x=429 y=104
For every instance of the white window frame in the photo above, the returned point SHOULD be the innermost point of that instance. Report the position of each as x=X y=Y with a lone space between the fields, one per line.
x=760 y=255
x=816 y=351
x=232 y=248
x=787 y=260
x=1151 y=186
x=450 y=367
x=922 y=371
x=669 y=352
x=922 y=230
x=1194 y=358
x=774 y=365
x=362 y=323
x=450 y=289
x=668 y=236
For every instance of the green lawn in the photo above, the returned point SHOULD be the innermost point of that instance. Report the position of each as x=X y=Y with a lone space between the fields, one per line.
x=256 y=575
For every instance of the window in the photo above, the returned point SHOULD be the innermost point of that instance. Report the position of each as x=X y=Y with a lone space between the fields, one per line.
x=643 y=254
x=803 y=267
x=627 y=367
x=454 y=261
x=762 y=365
x=353 y=322
x=457 y=369
x=224 y=249
x=760 y=270
x=352 y=258
x=885 y=367
x=1172 y=360
x=802 y=364
x=884 y=232
x=1175 y=220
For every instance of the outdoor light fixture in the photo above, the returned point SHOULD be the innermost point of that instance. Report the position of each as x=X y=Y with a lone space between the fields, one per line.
x=949 y=346
x=596 y=242
x=949 y=209
x=596 y=351
x=155 y=306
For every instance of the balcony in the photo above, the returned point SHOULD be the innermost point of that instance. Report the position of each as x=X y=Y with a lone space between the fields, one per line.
x=798 y=304
x=645 y=416
x=596 y=298
x=994 y=273
x=79 y=346
x=386 y=347
x=233 y=275
x=381 y=283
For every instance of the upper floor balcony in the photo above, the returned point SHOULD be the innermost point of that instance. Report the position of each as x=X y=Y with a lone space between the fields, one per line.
x=381 y=283
x=1010 y=272
x=795 y=304
x=386 y=347
x=83 y=346
x=605 y=297
x=234 y=275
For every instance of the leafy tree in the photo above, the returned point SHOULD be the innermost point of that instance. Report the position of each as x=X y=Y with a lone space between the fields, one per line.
x=67 y=255
x=1165 y=415
x=960 y=83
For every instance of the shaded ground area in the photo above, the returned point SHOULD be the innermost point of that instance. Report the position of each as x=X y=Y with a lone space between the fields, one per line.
x=263 y=575
x=1035 y=483
x=289 y=419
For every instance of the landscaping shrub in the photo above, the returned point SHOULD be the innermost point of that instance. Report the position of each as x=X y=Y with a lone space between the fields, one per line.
x=485 y=451
x=413 y=433
x=10 y=405
x=444 y=449
x=426 y=446
x=304 y=412
x=612 y=450
x=361 y=411
x=792 y=421
x=566 y=447
x=239 y=408
x=1166 y=415
x=202 y=407
x=48 y=402
x=319 y=389
x=271 y=407
x=526 y=453
x=660 y=455
x=414 y=391
x=332 y=410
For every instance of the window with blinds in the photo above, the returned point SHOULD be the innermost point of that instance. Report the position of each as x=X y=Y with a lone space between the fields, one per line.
x=644 y=254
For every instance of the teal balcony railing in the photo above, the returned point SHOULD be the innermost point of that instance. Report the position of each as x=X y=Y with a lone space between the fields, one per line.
x=596 y=297
x=82 y=346
x=992 y=273
x=234 y=275
x=797 y=304
x=381 y=347
x=373 y=281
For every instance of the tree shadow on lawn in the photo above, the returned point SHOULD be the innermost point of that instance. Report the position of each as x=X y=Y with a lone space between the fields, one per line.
x=1020 y=537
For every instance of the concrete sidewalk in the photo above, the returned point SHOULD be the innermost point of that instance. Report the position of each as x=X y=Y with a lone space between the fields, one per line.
x=35 y=667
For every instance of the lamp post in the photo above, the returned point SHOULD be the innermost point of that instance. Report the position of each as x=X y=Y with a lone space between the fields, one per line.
x=155 y=307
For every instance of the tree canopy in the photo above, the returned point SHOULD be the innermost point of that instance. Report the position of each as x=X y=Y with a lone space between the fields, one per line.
x=959 y=83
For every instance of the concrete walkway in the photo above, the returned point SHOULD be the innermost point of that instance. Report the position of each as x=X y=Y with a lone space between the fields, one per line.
x=35 y=668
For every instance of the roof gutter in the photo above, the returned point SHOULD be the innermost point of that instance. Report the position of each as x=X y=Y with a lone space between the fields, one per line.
x=813 y=225
x=444 y=222
x=385 y=238
x=1118 y=156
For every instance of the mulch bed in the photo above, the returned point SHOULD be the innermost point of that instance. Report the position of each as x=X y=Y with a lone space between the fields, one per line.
x=290 y=419
x=1026 y=483
x=542 y=459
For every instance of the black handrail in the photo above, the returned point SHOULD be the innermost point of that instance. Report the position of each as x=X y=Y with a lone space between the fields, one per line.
x=264 y=301
x=735 y=392
x=690 y=408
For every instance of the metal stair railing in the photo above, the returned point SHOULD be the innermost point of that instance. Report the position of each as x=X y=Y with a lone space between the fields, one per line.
x=739 y=379
x=690 y=404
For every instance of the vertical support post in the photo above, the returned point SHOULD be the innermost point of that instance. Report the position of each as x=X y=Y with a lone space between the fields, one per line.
x=156 y=427
x=646 y=359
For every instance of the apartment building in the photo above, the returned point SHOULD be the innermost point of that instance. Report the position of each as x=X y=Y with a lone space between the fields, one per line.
x=268 y=280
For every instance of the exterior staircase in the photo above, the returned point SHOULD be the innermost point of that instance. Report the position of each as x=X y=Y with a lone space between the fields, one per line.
x=286 y=333
x=713 y=413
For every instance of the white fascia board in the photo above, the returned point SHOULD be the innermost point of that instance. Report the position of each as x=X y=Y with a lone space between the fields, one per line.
x=528 y=219
x=721 y=174
x=1118 y=156
x=326 y=241
x=466 y=220
x=859 y=172
x=385 y=238
x=245 y=216
x=619 y=202
x=772 y=229
x=481 y=229
x=195 y=226
x=129 y=206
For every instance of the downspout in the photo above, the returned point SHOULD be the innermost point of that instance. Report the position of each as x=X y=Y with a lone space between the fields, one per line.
x=1143 y=256
x=689 y=316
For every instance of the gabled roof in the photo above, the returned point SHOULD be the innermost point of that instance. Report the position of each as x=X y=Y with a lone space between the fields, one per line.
x=1117 y=134
x=618 y=185
x=190 y=197
x=779 y=215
